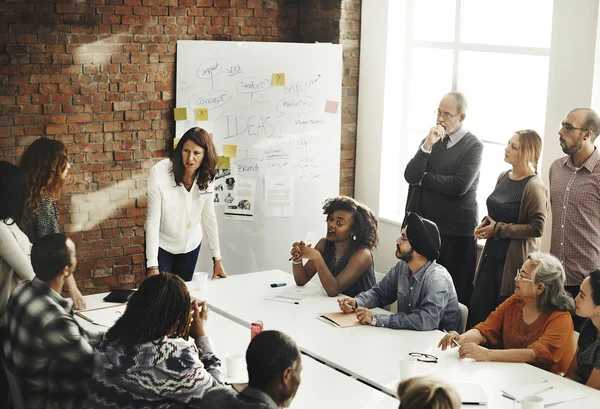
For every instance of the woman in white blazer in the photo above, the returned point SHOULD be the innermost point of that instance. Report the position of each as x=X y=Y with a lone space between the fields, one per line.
x=180 y=201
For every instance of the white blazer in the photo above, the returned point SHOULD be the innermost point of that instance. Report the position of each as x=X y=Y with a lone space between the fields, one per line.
x=175 y=216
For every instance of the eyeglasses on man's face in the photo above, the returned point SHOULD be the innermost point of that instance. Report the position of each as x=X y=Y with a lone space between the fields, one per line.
x=424 y=357
x=446 y=115
x=521 y=278
x=568 y=127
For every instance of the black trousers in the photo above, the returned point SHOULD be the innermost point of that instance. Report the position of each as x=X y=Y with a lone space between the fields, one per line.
x=486 y=294
x=577 y=320
x=459 y=255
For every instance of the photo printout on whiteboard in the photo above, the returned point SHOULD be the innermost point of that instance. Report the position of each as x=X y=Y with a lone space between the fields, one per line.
x=240 y=200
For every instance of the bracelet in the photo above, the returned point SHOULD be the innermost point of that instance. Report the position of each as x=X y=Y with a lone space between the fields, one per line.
x=296 y=262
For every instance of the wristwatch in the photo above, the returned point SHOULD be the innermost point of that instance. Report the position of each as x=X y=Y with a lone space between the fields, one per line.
x=374 y=321
x=217 y=258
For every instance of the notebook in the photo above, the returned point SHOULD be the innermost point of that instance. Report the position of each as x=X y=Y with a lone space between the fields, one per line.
x=470 y=393
x=339 y=319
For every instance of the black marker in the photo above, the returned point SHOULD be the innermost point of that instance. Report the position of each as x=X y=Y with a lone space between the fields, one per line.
x=278 y=285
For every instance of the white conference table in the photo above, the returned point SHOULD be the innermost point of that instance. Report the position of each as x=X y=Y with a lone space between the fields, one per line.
x=321 y=385
x=365 y=352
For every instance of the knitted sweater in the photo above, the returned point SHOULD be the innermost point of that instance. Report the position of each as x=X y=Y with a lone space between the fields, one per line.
x=168 y=373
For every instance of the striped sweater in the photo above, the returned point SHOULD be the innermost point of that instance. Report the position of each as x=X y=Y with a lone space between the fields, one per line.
x=168 y=373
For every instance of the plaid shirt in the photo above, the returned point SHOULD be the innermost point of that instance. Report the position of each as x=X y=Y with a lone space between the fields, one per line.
x=46 y=348
x=575 y=199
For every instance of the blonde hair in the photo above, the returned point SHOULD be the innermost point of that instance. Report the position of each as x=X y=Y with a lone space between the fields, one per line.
x=426 y=392
x=531 y=147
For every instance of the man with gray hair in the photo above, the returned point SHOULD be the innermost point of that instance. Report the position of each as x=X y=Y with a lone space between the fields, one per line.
x=575 y=199
x=443 y=178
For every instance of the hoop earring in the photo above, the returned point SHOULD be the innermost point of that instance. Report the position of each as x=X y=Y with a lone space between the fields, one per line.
x=354 y=237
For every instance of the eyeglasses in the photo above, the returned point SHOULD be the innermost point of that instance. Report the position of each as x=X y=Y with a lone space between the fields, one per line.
x=569 y=127
x=424 y=357
x=446 y=115
x=521 y=278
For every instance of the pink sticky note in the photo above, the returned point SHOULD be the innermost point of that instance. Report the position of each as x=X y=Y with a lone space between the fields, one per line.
x=331 y=107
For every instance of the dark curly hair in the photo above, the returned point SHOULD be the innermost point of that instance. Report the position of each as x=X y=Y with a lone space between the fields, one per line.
x=364 y=221
x=160 y=307
x=43 y=163
x=208 y=168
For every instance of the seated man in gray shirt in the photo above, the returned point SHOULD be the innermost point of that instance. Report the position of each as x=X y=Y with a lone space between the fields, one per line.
x=426 y=296
x=274 y=366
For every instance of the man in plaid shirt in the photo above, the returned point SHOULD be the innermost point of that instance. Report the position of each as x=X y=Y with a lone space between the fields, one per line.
x=45 y=347
x=575 y=199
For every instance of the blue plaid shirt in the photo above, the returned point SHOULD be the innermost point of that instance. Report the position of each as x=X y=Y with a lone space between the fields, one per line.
x=426 y=300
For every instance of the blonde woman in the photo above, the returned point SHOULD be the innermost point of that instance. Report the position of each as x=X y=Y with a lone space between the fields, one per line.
x=514 y=225
x=426 y=392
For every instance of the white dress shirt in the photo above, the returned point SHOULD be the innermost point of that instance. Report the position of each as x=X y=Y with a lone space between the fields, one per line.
x=175 y=216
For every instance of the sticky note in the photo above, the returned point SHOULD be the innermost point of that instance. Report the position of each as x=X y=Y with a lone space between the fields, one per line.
x=230 y=151
x=176 y=142
x=331 y=107
x=180 y=114
x=278 y=79
x=201 y=114
x=223 y=162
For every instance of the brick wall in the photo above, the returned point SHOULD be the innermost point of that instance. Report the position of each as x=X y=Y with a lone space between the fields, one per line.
x=99 y=76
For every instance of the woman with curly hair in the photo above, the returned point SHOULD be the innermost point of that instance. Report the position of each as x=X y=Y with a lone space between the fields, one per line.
x=343 y=258
x=180 y=201
x=46 y=165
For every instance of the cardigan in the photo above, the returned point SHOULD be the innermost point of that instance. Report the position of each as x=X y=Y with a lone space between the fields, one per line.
x=15 y=265
x=525 y=235
x=550 y=336
x=175 y=216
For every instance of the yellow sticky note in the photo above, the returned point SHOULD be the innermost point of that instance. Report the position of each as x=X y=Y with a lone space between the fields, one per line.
x=223 y=162
x=201 y=114
x=230 y=151
x=278 y=79
x=180 y=114
x=176 y=142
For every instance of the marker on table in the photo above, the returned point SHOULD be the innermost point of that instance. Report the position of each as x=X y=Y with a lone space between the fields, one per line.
x=453 y=340
x=349 y=306
x=278 y=285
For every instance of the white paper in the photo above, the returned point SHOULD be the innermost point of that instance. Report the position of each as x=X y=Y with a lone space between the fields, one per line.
x=239 y=201
x=279 y=196
x=221 y=187
x=105 y=317
x=552 y=392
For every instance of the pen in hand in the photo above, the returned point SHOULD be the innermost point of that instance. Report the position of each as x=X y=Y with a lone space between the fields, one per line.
x=348 y=305
x=453 y=340
x=305 y=242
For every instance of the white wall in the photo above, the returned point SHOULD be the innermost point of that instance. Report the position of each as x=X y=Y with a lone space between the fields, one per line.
x=574 y=64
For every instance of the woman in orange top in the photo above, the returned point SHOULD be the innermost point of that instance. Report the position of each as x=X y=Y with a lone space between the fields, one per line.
x=534 y=325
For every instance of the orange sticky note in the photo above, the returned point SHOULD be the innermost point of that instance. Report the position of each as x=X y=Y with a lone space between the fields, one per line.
x=201 y=114
x=278 y=79
x=223 y=162
x=230 y=151
x=180 y=114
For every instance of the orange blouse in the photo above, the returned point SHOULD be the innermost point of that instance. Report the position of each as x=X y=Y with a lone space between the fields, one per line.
x=550 y=335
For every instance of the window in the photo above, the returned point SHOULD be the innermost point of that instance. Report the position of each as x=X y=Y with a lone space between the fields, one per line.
x=496 y=53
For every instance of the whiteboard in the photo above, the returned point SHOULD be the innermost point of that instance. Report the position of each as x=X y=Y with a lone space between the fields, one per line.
x=280 y=105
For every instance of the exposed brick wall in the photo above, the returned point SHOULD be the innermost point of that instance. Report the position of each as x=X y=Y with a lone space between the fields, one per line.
x=99 y=76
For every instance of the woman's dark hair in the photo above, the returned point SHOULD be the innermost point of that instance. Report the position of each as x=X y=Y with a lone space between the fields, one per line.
x=208 y=168
x=595 y=284
x=13 y=190
x=364 y=221
x=43 y=162
x=160 y=307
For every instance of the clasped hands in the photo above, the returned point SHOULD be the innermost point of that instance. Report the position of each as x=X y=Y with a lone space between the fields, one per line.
x=485 y=229
x=348 y=306
x=301 y=250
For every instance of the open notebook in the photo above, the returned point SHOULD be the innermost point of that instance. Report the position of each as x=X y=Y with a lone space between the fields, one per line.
x=339 y=319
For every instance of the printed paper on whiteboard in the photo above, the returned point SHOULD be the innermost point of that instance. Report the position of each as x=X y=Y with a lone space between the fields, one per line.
x=239 y=202
x=279 y=196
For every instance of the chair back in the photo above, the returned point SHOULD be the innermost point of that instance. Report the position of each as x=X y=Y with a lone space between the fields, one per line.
x=14 y=387
x=464 y=314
